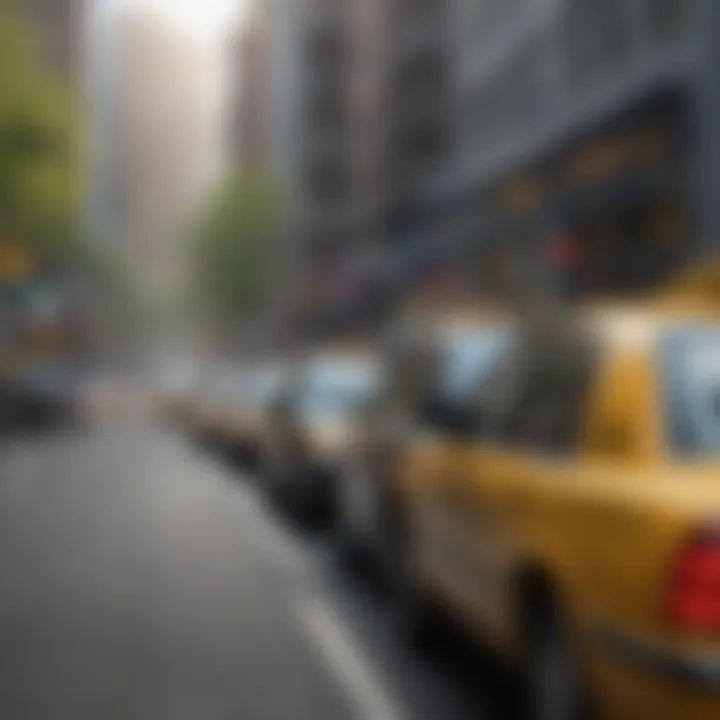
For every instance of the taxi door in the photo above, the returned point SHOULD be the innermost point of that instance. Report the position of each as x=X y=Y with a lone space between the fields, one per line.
x=450 y=507
x=512 y=485
x=436 y=467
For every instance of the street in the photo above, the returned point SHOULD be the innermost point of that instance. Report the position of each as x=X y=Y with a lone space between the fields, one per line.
x=143 y=579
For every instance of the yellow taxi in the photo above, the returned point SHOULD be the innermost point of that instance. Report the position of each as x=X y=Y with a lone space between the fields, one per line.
x=418 y=344
x=565 y=507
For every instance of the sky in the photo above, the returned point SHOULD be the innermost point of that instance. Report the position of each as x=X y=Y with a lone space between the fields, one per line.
x=206 y=21
x=208 y=24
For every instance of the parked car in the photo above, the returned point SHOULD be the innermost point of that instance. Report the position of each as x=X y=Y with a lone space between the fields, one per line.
x=452 y=347
x=246 y=418
x=567 y=509
x=311 y=428
x=208 y=404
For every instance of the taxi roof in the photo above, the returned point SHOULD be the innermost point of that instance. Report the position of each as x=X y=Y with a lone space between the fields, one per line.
x=639 y=323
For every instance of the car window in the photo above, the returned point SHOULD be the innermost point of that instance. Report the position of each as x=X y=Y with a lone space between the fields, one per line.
x=549 y=407
x=469 y=355
x=337 y=386
x=690 y=362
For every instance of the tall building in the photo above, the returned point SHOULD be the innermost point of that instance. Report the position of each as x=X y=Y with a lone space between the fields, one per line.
x=370 y=48
x=286 y=87
x=374 y=109
x=418 y=112
x=590 y=125
x=251 y=112
x=326 y=198
x=165 y=122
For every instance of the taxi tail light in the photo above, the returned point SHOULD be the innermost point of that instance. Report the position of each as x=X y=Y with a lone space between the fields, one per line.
x=694 y=597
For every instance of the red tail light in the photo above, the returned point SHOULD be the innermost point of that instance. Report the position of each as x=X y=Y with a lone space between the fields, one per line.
x=694 y=598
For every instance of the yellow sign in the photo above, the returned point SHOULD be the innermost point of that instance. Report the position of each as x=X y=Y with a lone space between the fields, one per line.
x=612 y=155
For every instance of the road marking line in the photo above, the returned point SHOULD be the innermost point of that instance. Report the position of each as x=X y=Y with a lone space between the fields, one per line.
x=348 y=662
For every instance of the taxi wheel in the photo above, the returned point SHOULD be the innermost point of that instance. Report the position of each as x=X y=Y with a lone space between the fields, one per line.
x=553 y=685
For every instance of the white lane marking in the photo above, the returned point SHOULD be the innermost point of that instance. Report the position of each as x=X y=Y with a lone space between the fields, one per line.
x=347 y=661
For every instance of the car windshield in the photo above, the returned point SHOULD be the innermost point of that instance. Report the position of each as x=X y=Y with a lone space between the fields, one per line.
x=469 y=354
x=691 y=363
x=336 y=386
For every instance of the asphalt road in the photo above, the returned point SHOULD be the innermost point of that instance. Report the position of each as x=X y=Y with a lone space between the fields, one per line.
x=142 y=580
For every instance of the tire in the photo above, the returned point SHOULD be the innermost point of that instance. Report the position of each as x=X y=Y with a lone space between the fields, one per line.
x=554 y=689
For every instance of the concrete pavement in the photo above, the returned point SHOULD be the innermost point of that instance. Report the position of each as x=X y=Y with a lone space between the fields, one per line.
x=140 y=580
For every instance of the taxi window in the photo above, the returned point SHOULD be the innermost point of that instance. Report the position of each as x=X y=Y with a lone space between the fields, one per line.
x=469 y=355
x=690 y=360
x=548 y=411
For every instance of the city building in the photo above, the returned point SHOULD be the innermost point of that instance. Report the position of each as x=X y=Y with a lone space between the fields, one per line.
x=585 y=139
x=369 y=49
x=374 y=127
x=166 y=119
x=419 y=132
x=326 y=198
x=251 y=128
x=285 y=96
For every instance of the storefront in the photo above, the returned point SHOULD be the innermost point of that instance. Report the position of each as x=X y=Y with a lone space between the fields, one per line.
x=623 y=195
x=604 y=212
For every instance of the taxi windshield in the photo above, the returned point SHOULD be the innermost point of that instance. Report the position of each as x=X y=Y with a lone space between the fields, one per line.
x=691 y=361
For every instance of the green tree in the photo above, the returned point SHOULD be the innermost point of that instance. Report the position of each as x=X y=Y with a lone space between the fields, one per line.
x=40 y=158
x=234 y=251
